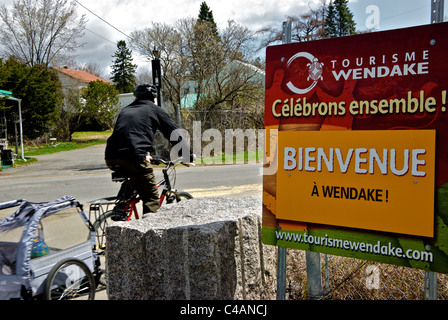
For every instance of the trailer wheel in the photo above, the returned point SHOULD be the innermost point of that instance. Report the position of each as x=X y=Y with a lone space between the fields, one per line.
x=70 y=279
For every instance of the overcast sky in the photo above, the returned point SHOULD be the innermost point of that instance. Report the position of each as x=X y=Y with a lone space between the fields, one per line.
x=128 y=15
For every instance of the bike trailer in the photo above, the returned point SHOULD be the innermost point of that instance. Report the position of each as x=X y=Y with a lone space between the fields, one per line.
x=22 y=269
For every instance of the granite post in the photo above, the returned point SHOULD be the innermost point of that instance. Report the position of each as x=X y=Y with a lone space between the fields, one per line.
x=205 y=248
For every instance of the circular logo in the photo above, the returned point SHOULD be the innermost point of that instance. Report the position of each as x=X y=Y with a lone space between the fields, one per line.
x=315 y=71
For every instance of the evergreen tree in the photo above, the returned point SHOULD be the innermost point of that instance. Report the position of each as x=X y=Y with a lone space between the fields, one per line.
x=330 y=30
x=39 y=89
x=123 y=71
x=339 y=20
x=206 y=15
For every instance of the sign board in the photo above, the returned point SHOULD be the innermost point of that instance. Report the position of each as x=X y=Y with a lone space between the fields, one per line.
x=357 y=147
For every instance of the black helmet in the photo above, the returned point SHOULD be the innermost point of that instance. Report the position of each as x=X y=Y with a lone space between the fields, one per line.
x=145 y=92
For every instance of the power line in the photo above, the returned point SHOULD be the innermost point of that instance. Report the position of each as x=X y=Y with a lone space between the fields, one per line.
x=100 y=36
x=102 y=19
x=406 y=12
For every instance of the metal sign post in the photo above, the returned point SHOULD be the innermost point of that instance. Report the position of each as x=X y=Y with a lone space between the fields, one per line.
x=312 y=258
x=437 y=7
x=281 y=253
x=430 y=289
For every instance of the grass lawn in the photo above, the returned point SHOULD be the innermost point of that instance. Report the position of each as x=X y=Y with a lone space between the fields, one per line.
x=79 y=140
x=239 y=158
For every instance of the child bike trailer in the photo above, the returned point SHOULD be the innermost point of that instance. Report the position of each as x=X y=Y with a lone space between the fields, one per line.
x=31 y=269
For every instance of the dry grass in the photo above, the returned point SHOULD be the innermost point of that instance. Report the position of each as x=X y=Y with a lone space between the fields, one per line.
x=91 y=136
x=348 y=280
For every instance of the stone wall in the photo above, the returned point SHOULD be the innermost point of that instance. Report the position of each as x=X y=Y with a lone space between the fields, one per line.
x=207 y=248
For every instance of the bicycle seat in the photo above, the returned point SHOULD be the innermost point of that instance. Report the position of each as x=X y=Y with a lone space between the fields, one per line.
x=118 y=175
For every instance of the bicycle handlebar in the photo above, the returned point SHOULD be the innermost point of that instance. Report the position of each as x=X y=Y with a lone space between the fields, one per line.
x=157 y=161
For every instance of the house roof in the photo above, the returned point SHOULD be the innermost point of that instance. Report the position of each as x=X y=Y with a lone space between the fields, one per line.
x=81 y=76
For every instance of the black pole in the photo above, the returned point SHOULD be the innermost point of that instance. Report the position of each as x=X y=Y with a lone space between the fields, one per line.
x=157 y=78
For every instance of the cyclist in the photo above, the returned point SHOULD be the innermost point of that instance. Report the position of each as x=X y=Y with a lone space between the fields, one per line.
x=130 y=146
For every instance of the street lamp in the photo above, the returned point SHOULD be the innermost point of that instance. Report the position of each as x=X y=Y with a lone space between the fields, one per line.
x=155 y=52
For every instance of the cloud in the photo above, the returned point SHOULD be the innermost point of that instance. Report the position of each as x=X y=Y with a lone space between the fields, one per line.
x=256 y=14
x=131 y=15
x=110 y=20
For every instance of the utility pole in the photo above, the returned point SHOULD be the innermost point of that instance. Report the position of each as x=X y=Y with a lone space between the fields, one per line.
x=157 y=75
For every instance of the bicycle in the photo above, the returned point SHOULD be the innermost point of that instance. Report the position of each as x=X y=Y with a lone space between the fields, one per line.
x=128 y=198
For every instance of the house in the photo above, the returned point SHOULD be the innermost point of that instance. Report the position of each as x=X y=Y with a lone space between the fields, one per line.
x=75 y=78
x=125 y=99
x=80 y=79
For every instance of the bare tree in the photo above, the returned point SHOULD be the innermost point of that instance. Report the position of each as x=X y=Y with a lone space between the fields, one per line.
x=41 y=31
x=306 y=26
x=229 y=76
x=309 y=25
x=190 y=51
x=166 y=40
x=93 y=68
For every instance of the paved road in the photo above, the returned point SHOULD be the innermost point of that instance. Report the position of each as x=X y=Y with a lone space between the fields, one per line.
x=84 y=175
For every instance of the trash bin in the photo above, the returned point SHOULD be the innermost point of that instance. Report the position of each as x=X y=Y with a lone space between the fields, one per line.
x=7 y=157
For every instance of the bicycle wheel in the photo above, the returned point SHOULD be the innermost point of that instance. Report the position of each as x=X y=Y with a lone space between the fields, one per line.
x=177 y=196
x=101 y=224
x=70 y=279
x=184 y=195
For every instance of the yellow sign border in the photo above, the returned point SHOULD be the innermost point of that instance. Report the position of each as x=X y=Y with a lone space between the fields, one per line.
x=400 y=202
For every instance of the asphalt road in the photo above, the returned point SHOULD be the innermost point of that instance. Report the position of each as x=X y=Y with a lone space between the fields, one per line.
x=83 y=174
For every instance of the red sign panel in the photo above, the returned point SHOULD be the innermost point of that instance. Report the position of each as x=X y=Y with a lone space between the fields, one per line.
x=381 y=81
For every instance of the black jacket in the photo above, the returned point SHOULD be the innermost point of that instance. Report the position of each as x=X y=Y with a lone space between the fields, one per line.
x=135 y=129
